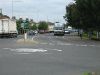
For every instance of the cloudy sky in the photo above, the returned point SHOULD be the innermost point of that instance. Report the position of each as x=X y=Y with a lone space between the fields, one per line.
x=49 y=10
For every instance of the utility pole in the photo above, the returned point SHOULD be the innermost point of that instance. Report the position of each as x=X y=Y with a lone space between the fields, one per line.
x=12 y=5
x=12 y=8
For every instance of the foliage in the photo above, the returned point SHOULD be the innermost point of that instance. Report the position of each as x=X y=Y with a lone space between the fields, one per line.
x=90 y=13
x=84 y=14
x=18 y=22
x=27 y=24
x=34 y=27
x=72 y=16
x=43 y=25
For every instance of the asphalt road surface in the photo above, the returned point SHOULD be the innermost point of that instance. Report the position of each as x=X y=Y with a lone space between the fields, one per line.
x=49 y=55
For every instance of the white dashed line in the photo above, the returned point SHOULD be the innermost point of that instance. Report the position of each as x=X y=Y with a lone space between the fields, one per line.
x=92 y=45
x=55 y=49
x=44 y=43
x=51 y=44
x=30 y=50
x=84 y=45
x=24 y=53
x=6 y=48
x=69 y=44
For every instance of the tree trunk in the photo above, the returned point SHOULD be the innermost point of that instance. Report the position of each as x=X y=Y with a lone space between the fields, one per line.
x=78 y=32
x=90 y=35
x=97 y=35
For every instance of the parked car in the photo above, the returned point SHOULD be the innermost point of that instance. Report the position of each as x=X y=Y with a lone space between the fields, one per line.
x=31 y=32
x=35 y=31
x=67 y=32
x=41 y=31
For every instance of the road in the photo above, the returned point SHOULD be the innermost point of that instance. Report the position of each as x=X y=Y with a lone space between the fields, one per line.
x=49 y=55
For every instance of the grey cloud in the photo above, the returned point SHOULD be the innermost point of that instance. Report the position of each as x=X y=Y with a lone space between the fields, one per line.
x=53 y=9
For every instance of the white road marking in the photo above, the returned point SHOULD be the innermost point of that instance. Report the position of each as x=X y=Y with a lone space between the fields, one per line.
x=92 y=45
x=77 y=45
x=24 y=53
x=44 y=43
x=57 y=50
x=64 y=44
x=28 y=50
x=81 y=45
x=84 y=45
x=6 y=48
x=51 y=44
x=63 y=37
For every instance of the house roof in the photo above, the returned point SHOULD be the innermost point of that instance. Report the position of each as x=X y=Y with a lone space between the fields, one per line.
x=4 y=17
x=50 y=23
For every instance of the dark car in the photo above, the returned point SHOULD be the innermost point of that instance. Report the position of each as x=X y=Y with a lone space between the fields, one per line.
x=31 y=32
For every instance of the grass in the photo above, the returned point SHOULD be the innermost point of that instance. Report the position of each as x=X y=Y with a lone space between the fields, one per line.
x=94 y=37
x=86 y=73
x=85 y=36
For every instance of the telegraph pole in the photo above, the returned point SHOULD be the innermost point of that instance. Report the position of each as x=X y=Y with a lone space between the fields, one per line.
x=12 y=5
x=12 y=8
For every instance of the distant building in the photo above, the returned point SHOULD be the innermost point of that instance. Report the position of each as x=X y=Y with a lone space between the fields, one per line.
x=13 y=18
x=32 y=23
x=50 y=26
x=3 y=16
x=37 y=24
x=69 y=28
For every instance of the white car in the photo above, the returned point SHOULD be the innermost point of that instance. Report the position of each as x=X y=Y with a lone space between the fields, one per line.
x=67 y=32
x=36 y=32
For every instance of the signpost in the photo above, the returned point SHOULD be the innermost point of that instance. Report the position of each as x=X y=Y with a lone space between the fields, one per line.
x=24 y=28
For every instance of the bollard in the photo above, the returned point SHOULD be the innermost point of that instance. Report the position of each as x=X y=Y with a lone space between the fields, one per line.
x=25 y=36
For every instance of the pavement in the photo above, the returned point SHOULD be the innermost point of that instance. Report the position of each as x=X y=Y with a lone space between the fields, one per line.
x=51 y=55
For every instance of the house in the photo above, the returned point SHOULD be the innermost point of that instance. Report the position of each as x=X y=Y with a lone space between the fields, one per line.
x=50 y=26
x=4 y=17
x=32 y=23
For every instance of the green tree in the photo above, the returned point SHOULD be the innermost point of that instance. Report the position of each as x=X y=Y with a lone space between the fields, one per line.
x=43 y=25
x=19 y=22
x=27 y=24
x=84 y=14
x=34 y=27
x=90 y=14
x=72 y=16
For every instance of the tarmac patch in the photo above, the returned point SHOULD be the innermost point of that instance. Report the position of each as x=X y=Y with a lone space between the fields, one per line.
x=27 y=41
